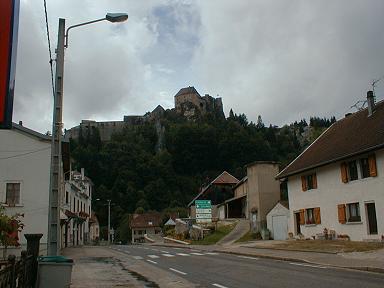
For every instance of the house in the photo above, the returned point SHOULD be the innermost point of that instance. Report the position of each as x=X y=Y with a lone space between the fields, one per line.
x=76 y=209
x=146 y=223
x=218 y=190
x=336 y=184
x=25 y=160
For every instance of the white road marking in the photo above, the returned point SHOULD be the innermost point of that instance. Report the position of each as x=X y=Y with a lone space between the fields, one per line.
x=168 y=255
x=137 y=257
x=198 y=254
x=153 y=256
x=183 y=254
x=308 y=265
x=163 y=251
x=218 y=285
x=155 y=250
x=153 y=262
x=247 y=257
x=177 y=271
x=211 y=253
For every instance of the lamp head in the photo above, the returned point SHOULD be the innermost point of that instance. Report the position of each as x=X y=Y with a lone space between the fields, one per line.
x=116 y=17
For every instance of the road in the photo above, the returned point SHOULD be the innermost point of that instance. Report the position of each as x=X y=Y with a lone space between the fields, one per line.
x=210 y=269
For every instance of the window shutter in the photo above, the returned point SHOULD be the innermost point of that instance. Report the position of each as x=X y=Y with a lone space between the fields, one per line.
x=314 y=181
x=344 y=174
x=304 y=186
x=341 y=213
x=316 y=212
x=302 y=217
x=372 y=165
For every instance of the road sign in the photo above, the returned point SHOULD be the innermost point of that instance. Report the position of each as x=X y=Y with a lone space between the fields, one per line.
x=9 y=23
x=203 y=211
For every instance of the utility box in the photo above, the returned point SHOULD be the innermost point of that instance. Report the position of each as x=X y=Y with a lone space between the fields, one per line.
x=54 y=271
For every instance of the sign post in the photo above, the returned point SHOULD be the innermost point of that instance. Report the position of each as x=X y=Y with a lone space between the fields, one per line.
x=9 y=26
x=203 y=211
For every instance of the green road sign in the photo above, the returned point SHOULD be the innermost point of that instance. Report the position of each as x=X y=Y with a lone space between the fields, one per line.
x=203 y=204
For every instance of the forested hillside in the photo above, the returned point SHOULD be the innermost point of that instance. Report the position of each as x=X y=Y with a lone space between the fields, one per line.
x=136 y=174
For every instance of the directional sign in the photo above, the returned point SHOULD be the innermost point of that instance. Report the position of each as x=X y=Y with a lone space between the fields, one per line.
x=203 y=211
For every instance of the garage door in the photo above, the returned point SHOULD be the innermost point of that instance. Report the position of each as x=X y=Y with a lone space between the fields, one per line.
x=280 y=227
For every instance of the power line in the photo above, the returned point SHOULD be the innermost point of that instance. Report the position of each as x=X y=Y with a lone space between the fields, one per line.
x=49 y=47
x=23 y=154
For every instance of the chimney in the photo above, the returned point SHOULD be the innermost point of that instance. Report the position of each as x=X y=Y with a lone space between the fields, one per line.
x=21 y=123
x=82 y=173
x=371 y=103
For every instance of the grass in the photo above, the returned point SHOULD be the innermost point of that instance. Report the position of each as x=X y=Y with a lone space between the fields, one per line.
x=214 y=237
x=249 y=236
x=332 y=246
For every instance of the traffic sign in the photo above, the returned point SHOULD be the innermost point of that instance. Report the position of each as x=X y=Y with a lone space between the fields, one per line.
x=203 y=211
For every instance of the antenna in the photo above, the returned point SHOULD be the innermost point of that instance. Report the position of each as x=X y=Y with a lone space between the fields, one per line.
x=374 y=81
x=359 y=105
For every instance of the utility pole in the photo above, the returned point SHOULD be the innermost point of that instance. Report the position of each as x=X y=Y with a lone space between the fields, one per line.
x=109 y=222
x=55 y=179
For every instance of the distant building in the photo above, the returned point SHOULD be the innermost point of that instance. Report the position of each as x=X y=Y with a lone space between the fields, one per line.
x=188 y=103
x=146 y=223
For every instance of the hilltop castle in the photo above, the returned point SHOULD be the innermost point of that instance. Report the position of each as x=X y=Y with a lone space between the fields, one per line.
x=188 y=103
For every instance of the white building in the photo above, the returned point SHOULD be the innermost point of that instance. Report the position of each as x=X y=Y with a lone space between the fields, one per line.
x=76 y=210
x=337 y=182
x=25 y=158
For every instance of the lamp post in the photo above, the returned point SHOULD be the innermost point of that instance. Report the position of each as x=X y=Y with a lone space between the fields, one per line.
x=55 y=174
x=109 y=218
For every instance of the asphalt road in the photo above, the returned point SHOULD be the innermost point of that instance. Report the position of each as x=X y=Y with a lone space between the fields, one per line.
x=210 y=269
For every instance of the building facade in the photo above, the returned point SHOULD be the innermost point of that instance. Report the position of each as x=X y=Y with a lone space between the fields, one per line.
x=335 y=186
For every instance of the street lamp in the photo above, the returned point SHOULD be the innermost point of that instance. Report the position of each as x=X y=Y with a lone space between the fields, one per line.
x=109 y=218
x=55 y=174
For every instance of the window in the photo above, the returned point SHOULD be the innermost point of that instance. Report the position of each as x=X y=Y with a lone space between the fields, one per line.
x=309 y=216
x=352 y=170
x=358 y=169
x=66 y=197
x=12 y=194
x=309 y=182
x=353 y=212
x=364 y=168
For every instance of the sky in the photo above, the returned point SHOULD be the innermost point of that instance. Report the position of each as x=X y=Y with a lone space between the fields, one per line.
x=283 y=60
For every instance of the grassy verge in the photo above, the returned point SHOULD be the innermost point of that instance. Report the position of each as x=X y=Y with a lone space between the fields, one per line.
x=249 y=236
x=214 y=237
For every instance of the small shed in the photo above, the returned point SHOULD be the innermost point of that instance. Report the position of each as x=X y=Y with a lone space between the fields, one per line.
x=170 y=222
x=277 y=221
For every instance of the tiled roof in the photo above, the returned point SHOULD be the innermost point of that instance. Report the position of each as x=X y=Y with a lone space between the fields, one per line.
x=225 y=178
x=356 y=134
x=145 y=220
x=187 y=90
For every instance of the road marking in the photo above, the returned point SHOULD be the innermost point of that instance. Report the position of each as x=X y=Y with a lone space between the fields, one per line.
x=212 y=253
x=308 y=265
x=177 y=271
x=247 y=257
x=155 y=250
x=218 y=285
x=168 y=255
x=163 y=251
x=183 y=254
x=153 y=262
x=153 y=256
x=198 y=254
x=137 y=257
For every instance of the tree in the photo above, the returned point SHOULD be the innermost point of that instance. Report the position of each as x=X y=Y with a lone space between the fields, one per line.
x=10 y=226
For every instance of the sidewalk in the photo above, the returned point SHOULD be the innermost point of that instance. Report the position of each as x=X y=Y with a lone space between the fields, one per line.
x=99 y=267
x=367 y=261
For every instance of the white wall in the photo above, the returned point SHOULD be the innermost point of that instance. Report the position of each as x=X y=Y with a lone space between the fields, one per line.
x=332 y=191
x=32 y=170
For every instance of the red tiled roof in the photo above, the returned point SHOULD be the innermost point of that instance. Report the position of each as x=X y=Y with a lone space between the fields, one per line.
x=145 y=220
x=225 y=178
x=353 y=135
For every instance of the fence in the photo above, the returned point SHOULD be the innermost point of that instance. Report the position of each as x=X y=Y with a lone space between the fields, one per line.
x=21 y=273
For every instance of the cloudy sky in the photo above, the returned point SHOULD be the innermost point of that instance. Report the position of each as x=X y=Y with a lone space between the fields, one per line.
x=284 y=60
